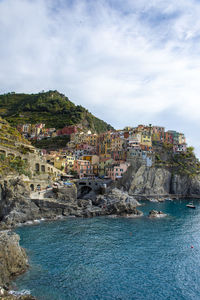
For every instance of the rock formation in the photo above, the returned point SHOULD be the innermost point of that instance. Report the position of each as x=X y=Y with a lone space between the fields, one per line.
x=158 y=181
x=119 y=203
x=13 y=259
x=15 y=204
x=156 y=214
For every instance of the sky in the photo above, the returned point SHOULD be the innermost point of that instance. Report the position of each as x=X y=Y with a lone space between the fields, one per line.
x=128 y=62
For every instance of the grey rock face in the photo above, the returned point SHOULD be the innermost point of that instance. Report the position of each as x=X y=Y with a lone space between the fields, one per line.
x=156 y=214
x=150 y=181
x=13 y=259
x=119 y=203
x=158 y=181
x=15 y=204
x=66 y=194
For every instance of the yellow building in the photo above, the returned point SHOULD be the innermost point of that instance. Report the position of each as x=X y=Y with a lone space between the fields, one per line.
x=70 y=162
x=92 y=140
x=103 y=164
x=181 y=138
x=116 y=143
x=59 y=163
x=93 y=159
x=146 y=139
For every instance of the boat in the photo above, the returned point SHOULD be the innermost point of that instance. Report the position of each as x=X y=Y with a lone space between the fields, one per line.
x=191 y=205
x=168 y=199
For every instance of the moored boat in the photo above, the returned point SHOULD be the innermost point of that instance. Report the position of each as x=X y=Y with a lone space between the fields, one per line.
x=191 y=205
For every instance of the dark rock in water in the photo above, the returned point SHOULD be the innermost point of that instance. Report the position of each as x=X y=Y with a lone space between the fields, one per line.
x=119 y=203
x=156 y=214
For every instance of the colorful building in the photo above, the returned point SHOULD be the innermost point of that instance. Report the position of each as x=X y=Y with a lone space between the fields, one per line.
x=83 y=168
x=117 y=171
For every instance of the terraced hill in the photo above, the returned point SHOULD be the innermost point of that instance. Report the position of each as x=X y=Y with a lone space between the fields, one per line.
x=51 y=108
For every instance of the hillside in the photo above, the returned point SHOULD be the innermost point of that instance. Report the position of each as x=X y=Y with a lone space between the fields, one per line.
x=11 y=138
x=183 y=164
x=51 y=108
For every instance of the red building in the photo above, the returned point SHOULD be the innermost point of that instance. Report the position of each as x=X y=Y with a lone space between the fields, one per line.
x=67 y=130
x=168 y=138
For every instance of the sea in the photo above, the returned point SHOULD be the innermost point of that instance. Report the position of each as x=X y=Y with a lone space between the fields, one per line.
x=108 y=258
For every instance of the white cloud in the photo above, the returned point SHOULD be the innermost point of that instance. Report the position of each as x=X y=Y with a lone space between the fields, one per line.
x=127 y=62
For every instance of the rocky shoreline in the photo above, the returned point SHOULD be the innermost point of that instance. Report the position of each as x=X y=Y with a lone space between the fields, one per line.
x=13 y=262
x=17 y=207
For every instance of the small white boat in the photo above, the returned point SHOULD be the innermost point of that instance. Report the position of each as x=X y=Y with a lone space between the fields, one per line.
x=168 y=199
x=191 y=205
x=153 y=200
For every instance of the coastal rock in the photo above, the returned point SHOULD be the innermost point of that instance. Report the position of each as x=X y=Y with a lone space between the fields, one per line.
x=7 y=296
x=117 y=202
x=13 y=259
x=66 y=194
x=156 y=214
x=150 y=181
x=15 y=205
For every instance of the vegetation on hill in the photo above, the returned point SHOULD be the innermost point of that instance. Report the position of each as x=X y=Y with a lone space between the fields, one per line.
x=50 y=108
x=184 y=163
x=13 y=165
x=54 y=143
x=10 y=136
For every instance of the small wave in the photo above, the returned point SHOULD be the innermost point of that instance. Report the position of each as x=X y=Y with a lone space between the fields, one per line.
x=37 y=221
x=19 y=293
x=28 y=223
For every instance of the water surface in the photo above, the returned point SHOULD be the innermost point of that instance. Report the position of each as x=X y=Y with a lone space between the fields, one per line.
x=108 y=258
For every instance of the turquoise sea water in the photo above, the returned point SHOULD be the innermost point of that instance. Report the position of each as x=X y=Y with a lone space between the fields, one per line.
x=115 y=258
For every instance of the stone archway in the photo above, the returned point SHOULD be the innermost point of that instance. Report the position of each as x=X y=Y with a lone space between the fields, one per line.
x=84 y=190
x=43 y=168
x=32 y=187
x=37 y=167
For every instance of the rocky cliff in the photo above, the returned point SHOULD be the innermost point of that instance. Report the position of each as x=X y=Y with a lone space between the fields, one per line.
x=13 y=260
x=16 y=205
x=159 y=181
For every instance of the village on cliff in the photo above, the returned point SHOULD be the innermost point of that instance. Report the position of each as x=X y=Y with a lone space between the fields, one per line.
x=104 y=155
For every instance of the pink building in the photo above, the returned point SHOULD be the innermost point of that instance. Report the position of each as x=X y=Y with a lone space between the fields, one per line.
x=180 y=148
x=83 y=168
x=117 y=171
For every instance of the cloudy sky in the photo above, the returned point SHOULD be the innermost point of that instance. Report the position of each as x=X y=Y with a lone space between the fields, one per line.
x=127 y=61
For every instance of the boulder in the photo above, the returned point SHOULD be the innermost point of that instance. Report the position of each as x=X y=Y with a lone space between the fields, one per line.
x=156 y=214
x=120 y=203
x=13 y=259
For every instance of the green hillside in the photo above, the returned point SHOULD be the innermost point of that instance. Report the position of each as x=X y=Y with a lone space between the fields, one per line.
x=52 y=108
x=11 y=138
